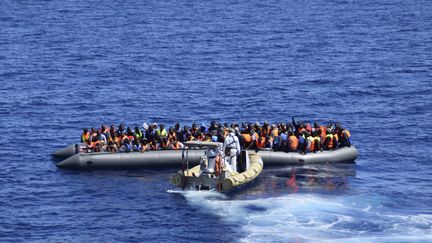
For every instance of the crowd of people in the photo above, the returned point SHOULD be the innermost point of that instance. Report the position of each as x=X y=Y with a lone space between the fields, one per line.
x=288 y=137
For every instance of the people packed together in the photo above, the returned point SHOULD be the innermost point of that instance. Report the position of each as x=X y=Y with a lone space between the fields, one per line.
x=295 y=136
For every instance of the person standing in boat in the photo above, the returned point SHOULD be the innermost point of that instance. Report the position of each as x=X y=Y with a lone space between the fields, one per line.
x=231 y=147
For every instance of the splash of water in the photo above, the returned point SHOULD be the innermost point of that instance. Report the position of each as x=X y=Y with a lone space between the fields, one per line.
x=311 y=218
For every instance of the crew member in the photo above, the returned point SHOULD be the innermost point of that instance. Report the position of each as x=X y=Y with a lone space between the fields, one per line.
x=231 y=147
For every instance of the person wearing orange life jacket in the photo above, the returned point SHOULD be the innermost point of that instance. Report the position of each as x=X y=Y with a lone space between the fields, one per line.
x=85 y=136
x=274 y=131
x=315 y=142
x=265 y=130
x=344 y=136
x=329 y=139
x=323 y=134
x=292 y=143
x=260 y=143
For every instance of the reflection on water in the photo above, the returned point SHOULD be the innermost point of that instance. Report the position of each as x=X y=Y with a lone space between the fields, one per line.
x=277 y=181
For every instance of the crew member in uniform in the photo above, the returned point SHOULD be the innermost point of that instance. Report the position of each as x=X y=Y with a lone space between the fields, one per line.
x=232 y=149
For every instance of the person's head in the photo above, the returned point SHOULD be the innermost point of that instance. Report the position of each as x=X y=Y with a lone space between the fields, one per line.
x=315 y=125
x=137 y=129
x=121 y=127
x=129 y=130
x=213 y=124
x=112 y=127
x=194 y=126
x=126 y=141
x=85 y=130
x=93 y=130
x=103 y=128
x=177 y=126
x=162 y=126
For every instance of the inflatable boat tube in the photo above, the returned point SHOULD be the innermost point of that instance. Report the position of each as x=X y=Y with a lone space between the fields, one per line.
x=173 y=158
x=160 y=158
x=67 y=151
x=256 y=167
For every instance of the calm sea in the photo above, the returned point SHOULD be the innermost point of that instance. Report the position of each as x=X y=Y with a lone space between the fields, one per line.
x=66 y=65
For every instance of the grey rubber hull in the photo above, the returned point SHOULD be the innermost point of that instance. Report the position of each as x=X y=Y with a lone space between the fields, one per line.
x=66 y=151
x=173 y=158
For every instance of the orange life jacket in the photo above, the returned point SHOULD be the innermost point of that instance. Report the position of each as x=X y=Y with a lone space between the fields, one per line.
x=275 y=132
x=312 y=145
x=293 y=142
x=346 y=133
x=247 y=137
x=85 y=137
x=261 y=142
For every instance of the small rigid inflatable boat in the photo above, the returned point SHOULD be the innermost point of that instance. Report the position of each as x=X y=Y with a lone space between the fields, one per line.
x=169 y=158
x=213 y=172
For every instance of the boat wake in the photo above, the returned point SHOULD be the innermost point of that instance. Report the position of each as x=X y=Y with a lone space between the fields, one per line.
x=312 y=218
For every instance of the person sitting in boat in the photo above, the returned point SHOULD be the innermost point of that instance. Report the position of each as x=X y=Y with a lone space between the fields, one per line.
x=176 y=145
x=126 y=145
x=164 y=143
x=85 y=136
x=103 y=142
x=121 y=130
x=161 y=132
x=113 y=135
x=154 y=145
x=329 y=140
x=293 y=142
x=145 y=146
x=112 y=146
x=136 y=145
x=344 y=136
x=231 y=147
x=138 y=133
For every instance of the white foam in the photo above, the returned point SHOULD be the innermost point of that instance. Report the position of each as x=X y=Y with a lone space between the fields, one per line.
x=313 y=218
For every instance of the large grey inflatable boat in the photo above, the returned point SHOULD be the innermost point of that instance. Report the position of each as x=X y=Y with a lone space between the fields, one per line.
x=174 y=158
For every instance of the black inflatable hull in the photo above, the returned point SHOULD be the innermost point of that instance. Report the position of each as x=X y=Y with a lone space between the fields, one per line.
x=173 y=158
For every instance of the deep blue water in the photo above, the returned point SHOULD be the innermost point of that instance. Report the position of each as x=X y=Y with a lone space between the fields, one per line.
x=66 y=65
